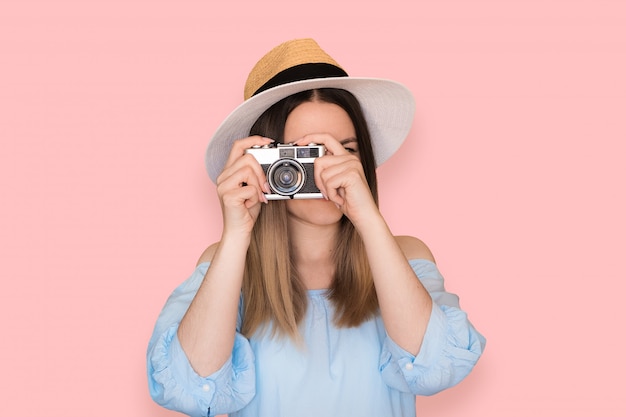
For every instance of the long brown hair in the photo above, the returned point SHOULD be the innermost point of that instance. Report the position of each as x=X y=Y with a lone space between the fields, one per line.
x=273 y=295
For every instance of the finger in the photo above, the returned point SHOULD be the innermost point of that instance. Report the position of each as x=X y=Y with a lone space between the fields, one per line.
x=245 y=188
x=239 y=147
x=245 y=173
x=244 y=196
x=245 y=163
x=332 y=145
x=246 y=170
x=253 y=197
x=333 y=187
x=331 y=167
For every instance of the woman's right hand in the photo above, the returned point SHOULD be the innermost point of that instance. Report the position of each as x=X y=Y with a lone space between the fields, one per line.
x=241 y=187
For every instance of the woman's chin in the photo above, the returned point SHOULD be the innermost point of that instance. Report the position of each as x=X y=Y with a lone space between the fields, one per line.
x=317 y=211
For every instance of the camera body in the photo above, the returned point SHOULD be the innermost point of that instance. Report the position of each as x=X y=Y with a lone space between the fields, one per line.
x=289 y=169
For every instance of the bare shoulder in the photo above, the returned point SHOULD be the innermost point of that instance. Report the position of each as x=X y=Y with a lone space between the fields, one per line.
x=413 y=248
x=207 y=255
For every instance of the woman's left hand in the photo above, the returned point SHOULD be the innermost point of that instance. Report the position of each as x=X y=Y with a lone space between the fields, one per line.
x=339 y=176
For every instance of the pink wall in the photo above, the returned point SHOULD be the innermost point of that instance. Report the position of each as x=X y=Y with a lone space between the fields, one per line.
x=513 y=174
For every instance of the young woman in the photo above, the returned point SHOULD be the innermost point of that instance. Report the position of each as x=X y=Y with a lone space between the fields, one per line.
x=309 y=307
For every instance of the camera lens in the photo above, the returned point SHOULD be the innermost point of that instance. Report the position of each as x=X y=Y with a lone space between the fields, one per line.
x=286 y=177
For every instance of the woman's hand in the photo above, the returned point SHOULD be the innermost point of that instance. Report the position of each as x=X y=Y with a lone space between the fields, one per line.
x=339 y=176
x=241 y=187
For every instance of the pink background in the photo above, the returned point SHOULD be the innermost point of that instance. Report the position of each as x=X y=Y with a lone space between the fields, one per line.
x=513 y=174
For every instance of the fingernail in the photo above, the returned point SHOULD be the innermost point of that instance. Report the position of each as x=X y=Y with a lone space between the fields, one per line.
x=266 y=188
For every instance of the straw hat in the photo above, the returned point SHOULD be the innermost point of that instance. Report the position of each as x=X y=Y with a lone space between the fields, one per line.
x=301 y=65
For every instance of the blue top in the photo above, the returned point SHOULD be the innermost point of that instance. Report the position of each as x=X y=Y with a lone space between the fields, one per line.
x=355 y=371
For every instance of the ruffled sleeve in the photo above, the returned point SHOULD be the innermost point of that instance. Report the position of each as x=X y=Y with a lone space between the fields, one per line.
x=449 y=351
x=172 y=381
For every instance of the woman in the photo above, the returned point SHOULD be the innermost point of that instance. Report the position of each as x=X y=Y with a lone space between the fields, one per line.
x=309 y=306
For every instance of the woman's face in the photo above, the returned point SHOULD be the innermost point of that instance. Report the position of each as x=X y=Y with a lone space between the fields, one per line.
x=317 y=117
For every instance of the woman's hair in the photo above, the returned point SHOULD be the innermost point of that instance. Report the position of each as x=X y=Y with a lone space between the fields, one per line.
x=273 y=294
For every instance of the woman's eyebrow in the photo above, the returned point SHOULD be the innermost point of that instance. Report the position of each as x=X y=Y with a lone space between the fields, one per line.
x=347 y=140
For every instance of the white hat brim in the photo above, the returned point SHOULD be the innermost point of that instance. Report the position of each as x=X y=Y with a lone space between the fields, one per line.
x=388 y=107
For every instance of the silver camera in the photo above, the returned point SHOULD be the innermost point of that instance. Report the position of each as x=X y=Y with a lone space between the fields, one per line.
x=289 y=169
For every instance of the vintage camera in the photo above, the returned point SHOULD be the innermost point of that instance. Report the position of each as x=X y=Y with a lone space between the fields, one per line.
x=289 y=169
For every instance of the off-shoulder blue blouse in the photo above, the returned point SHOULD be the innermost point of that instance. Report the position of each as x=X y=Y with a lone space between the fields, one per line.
x=356 y=371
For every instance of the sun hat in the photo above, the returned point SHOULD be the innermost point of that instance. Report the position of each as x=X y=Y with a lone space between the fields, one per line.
x=299 y=65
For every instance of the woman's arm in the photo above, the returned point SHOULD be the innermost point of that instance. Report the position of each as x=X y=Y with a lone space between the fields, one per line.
x=207 y=331
x=405 y=304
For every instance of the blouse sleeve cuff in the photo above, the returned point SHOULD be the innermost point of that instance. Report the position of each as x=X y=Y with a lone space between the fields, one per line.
x=228 y=389
x=449 y=350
